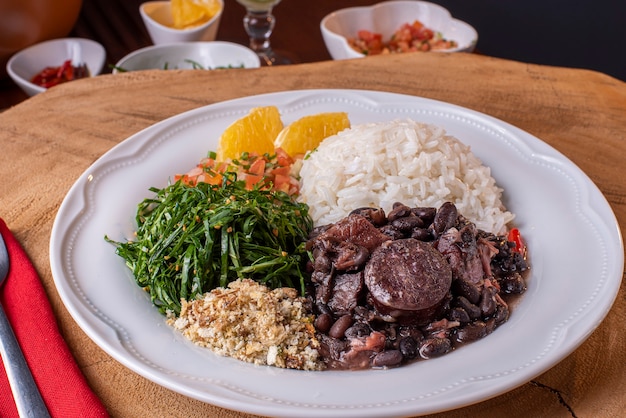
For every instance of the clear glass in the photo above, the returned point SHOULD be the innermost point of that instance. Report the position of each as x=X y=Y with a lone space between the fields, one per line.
x=259 y=24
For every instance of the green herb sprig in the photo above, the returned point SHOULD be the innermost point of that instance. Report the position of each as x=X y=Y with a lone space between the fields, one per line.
x=190 y=240
x=194 y=66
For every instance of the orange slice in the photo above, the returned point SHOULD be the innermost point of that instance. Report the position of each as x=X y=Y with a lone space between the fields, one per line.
x=254 y=133
x=306 y=133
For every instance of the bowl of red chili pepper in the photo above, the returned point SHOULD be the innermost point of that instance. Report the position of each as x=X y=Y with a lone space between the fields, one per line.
x=395 y=27
x=50 y=63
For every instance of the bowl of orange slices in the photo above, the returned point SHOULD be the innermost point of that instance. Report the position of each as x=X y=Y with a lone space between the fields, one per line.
x=173 y=21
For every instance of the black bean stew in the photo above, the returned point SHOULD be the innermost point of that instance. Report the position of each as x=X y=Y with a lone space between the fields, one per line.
x=416 y=283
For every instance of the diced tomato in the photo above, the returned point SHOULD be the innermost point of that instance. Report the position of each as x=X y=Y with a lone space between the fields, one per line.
x=206 y=162
x=424 y=34
x=195 y=172
x=282 y=158
x=257 y=167
x=252 y=180
x=368 y=36
x=417 y=25
x=282 y=183
x=213 y=178
x=282 y=171
x=408 y=37
x=372 y=42
x=254 y=170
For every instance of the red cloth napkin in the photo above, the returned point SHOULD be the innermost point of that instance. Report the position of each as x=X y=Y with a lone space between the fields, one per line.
x=60 y=381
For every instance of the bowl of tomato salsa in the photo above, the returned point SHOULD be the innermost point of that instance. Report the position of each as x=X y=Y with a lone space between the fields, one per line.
x=50 y=63
x=395 y=27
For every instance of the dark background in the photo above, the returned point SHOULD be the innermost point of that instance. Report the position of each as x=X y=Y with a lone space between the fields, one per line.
x=570 y=33
x=589 y=34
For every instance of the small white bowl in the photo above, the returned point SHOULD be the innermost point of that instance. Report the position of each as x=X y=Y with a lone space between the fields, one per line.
x=385 y=18
x=185 y=55
x=157 y=17
x=27 y=63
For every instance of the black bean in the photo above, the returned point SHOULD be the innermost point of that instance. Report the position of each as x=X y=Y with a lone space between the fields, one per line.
x=502 y=314
x=426 y=214
x=350 y=256
x=472 y=310
x=412 y=332
x=399 y=210
x=407 y=223
x=358 y=330
x=391 y=232
x=513 y=284
x=390 y=330
x=445 y=218
x=488 y=300
x=468 y=290
x=387 y=358
x=362 y=256
x=322 y=308
x=421 y=234
x=459 y=314
x=375 y=215
x=338 y=329
x=323 y=323
x=434 y=347
x=408 y=347
x=471 y=332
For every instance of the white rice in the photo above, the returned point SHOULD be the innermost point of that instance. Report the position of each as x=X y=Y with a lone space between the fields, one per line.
x=378 y=164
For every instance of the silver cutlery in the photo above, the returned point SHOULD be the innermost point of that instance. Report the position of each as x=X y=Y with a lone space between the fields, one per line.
x=80 y=67
x=25 y=392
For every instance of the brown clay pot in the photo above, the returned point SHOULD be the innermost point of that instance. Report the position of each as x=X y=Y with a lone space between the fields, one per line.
x=27 y=22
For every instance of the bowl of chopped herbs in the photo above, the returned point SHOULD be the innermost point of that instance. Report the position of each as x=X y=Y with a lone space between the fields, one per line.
x=189 y=56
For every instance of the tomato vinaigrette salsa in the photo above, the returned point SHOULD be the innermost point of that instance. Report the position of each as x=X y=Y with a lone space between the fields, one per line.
x=273 y=172
x=409 y=37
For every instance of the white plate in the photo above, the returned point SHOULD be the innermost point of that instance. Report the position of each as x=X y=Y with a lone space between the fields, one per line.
x=575 y=249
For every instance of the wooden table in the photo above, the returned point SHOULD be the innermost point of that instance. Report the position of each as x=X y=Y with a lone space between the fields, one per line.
x=49 y=140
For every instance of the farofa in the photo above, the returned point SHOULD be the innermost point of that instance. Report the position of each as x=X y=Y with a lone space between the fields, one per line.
x=250 y=322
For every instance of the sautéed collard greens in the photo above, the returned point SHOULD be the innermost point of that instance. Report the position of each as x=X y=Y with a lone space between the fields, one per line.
x=190 y=240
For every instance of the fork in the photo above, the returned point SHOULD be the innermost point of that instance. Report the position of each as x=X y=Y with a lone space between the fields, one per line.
x=27 y=397
x=80 y=67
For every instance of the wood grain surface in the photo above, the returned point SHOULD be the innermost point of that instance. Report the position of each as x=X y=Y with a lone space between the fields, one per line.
x=47 y=141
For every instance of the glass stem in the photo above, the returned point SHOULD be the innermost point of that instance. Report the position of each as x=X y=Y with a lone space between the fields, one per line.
x=259 y=26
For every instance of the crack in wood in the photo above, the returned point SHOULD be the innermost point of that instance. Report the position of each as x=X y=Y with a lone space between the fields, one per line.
x=558 y=395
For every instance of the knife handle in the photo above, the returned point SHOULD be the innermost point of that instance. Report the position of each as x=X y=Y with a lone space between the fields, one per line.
x=25 y=392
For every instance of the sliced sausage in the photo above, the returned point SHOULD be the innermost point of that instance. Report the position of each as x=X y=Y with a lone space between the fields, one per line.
x=408 y=277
